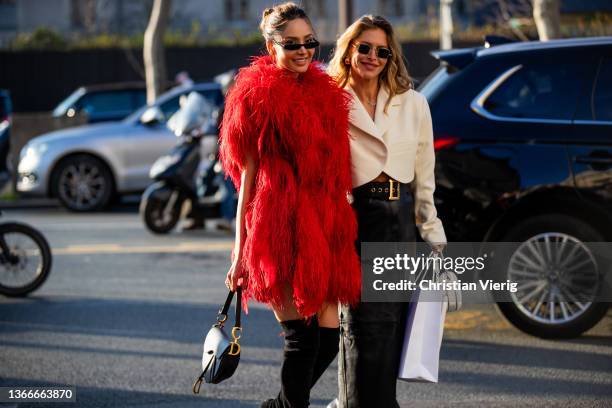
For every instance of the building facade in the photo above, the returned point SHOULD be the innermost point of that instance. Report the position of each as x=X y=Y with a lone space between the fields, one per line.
x=214 y=18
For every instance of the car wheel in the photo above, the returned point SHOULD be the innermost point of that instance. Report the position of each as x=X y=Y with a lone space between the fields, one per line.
x=161 y=215
x=83 y=183
x=557 y=277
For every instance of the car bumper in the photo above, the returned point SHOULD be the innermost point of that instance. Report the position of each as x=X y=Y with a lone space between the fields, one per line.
x=32 y=177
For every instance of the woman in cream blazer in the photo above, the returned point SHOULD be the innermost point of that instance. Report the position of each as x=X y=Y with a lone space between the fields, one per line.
x=393 y=160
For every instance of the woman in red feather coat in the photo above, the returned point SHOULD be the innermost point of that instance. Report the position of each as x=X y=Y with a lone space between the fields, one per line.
x=284 y=143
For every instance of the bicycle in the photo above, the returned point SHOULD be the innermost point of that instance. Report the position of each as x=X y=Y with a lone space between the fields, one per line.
x=25 y=259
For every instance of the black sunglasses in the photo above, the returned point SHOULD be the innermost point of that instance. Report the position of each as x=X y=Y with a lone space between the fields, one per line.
x=310 y=44
x=381 y=52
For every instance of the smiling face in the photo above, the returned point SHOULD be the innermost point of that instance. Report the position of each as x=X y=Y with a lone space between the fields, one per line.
x=368 y=67
x=298 y=31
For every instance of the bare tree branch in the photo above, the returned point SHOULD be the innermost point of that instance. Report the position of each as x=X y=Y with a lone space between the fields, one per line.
x=345 y=14
x=153 y=50
x=547 y=18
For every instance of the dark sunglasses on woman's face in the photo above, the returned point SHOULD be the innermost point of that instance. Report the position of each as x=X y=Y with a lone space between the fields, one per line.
x=381 y=52
x=291 y=46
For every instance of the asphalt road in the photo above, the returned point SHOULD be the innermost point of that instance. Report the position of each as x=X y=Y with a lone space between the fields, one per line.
x=123 y=314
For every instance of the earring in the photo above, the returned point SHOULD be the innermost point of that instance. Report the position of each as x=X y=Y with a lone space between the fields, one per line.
x=347 y=62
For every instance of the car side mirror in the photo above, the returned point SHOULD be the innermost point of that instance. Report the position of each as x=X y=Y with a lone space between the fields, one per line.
x=152 y=116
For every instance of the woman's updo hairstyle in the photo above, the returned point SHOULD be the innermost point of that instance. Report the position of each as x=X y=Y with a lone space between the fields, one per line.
x=275 y=19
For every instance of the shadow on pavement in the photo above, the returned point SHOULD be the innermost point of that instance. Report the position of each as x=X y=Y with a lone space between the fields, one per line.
x=526 y=384
x=528 y=356
x=179 y=322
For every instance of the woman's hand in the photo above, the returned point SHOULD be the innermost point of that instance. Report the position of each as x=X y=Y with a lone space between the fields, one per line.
x=236 y=276
x=438 y=248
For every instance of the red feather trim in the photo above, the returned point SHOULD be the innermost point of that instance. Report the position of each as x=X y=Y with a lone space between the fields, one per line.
x=300 y=228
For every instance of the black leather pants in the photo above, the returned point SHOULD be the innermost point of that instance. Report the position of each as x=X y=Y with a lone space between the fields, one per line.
x=372 y=333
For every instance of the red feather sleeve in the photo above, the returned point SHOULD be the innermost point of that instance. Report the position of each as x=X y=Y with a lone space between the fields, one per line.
x=238 y=139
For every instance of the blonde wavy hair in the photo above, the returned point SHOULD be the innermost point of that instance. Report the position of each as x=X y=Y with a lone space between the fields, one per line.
x=394 y=75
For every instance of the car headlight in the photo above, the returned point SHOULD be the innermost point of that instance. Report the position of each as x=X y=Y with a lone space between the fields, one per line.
x=33 y=151
x=4 y=125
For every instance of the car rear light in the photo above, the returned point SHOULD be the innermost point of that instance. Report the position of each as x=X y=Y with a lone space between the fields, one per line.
x=444 y=141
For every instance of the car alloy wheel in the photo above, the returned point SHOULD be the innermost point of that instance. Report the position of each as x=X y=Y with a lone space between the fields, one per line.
x=557 y=278
x=83 y=183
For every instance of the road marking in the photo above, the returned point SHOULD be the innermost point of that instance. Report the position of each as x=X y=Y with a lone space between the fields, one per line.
x=183 y=247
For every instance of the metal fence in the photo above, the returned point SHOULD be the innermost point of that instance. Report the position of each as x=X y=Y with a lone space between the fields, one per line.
x=38 y=80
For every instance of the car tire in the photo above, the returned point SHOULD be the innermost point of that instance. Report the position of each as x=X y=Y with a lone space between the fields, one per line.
x=559 y=227
x=83 y=183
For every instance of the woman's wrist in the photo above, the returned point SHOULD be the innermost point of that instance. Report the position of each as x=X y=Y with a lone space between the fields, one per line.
x=237 y=254
x=438 y=247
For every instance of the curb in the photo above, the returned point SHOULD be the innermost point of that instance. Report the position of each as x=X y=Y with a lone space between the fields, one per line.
x=28 y=203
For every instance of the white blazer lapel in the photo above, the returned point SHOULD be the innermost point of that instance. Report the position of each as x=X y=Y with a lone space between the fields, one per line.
x=360 y=118
x=381 y=119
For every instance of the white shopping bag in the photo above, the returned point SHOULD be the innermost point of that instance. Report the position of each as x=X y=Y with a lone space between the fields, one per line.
x=422 y=340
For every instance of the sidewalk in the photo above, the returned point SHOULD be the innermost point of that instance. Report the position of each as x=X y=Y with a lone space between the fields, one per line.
x=20 y=203
x=9 y=200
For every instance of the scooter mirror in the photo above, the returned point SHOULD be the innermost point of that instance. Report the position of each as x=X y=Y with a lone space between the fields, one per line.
x=195 y=113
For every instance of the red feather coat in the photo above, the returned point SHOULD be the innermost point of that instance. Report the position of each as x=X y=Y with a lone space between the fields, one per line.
x=301 y=230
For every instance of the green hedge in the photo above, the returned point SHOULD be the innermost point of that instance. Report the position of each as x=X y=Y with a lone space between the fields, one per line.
x=49 y=39
x=596 y=24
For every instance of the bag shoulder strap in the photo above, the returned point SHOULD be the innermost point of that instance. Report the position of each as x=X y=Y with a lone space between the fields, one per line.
x=228 y=301
x=225 y=308
x=198 y=382
x=238 y=307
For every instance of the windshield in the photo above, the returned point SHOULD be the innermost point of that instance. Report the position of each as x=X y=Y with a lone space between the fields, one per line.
x=169 y=102
x=67 y=103
x=433 y=83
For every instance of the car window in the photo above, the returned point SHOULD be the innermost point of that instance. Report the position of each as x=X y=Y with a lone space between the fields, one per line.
x=139 y=98
x=433 y=83
x=602 y=95
x=112 y=101
x=539 y=91
x=68 y=103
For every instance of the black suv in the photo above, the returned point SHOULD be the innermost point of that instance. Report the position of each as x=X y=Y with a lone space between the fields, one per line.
x=523 y=137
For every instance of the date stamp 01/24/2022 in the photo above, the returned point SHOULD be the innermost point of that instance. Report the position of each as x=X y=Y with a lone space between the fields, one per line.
x=37 y=394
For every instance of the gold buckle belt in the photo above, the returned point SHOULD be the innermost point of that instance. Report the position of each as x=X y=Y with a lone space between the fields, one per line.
x=393 y=196
x=393 y=190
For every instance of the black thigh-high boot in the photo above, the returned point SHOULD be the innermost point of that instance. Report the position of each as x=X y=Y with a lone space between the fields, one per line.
x=329 y=340
x=300 y=353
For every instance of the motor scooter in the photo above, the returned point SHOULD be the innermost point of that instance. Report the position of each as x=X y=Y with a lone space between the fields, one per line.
x=185 y=184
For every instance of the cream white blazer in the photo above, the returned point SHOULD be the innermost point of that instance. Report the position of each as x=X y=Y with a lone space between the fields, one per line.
x=399 y=143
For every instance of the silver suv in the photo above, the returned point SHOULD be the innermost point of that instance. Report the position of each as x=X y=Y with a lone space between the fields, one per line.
x=86 y=166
